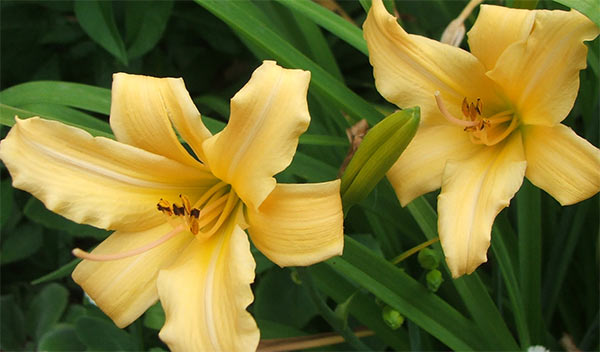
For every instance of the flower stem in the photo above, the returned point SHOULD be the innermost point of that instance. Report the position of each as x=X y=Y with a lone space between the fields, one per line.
x=414 y=250
x=336 y=323
x=304 y=342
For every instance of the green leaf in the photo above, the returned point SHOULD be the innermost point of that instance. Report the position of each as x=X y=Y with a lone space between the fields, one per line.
x=101 y=335
x=145 y=22
x=523 y=4
x=335 y=24
x=216 y=126
x=318 y=48
x=74 y=311
x=236 y=15
x=366 y=5
x=329 y=315
x=12 y=325
x=379 y=150
x=213 y=102
x=37 y=212
x=343 y=309
x=280 y=300
x=154 y=318
x=69 y=116
x=46 y=309
x=97 y=20
x=62 y=337
x=407 y=296
x=362 y=306
x=323 y=140
x=59 y=273
x=273 y=330
x=470 y=287
x=590 y=8
x=424 y=215
x=21 y=242
x=311 y=169
x=75 y=95
x=559 y=259
x=512 y=284
x=262 y=262
x=529 y=221
x=8 y=113
x=6 y=201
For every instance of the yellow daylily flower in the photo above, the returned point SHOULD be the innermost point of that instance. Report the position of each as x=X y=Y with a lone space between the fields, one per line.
x=488 y=118
x=178 y=220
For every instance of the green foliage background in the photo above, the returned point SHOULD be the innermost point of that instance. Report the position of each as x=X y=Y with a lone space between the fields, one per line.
x=541 y=281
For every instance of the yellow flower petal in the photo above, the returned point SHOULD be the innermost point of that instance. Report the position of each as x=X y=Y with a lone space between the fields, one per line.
x=474 y=191
x=409 y=69
x=495 y=29
x=299 y=224
x=267 y=116
x=205 y=294
x=96 y=181
x=540 y=76
x=562 y=163
x=419 y=169
x=125 y=288
x=143 y=109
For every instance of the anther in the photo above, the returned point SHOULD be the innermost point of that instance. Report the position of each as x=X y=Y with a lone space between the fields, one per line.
x=479 y=106
x=186 y=203
x=164 y=207
x=448 y=115
x=178 y=211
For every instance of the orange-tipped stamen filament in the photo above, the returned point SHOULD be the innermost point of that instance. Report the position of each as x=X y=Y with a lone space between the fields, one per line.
x=79 y=253
x=449 y=116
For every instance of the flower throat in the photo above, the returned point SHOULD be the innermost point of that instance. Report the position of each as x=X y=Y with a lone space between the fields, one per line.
x=482 y=130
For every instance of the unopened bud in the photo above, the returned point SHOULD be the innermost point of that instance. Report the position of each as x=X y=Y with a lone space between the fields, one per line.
x=434 y=280
x=455 y=32
x=429 y=258
x=295 y=277
x=392 y=317
x=379 y=150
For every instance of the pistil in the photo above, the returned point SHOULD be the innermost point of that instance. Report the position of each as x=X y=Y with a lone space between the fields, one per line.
x=202 y=219
x=449 y=116
x=79 y=253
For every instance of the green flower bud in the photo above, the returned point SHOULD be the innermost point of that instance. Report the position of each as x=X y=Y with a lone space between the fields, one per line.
x=429 y=258
x=434 y=280
x=295 y=277
x=378 y=151
x=392 y=317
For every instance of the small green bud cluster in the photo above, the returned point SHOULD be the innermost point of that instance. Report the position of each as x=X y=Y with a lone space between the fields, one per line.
x=429 y=259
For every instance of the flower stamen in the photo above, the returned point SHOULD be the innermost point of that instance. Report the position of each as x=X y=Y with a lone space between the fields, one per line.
x=482 y=130
x=449 y=116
